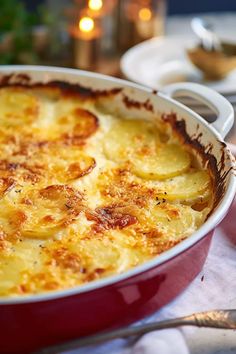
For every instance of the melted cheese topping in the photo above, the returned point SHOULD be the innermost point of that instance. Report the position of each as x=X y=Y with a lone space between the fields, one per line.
x=85 y=194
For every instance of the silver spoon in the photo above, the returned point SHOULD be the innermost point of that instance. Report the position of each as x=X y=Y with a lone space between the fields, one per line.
x=214 y=319
x=208 y=38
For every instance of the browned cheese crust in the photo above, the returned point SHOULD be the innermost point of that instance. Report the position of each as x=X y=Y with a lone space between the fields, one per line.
x=86 y=194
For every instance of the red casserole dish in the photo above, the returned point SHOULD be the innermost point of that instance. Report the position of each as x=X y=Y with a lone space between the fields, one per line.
x=33 y=322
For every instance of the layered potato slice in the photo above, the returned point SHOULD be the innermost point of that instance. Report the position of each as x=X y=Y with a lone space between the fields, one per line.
x=120 y=246
x=128 y=137
x=73 y=125
x=169 y=160
x=172 y=221
x=138 y=143
x=27 y=257
x=18 y=106
x=70 y=164
x=50 y=161
x=40 y=213
x=156 y=206
x=80 y=123
x=62 y=163
x=189 y=186
x=59 y=206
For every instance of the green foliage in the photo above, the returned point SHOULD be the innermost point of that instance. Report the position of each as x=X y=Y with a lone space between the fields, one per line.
x=12 y=15
x=16 y=24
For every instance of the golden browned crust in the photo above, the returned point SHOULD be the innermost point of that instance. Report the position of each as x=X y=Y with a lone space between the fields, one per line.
x=81 y=193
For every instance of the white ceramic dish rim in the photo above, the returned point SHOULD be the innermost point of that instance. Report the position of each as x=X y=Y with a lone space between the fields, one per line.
x=208 y=226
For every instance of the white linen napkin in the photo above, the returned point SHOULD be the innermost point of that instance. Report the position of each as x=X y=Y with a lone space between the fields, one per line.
x=214 y=288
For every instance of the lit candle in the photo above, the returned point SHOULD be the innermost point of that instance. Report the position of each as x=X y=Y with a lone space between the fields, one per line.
x=85 y=43
x=145 y=23
x=95 y=5
x=100 y=8
x=86 y=27
x=142 y=19
x=145 y=14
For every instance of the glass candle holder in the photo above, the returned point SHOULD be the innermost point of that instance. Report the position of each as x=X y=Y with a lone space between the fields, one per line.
x=85 y=36
x=140 y=20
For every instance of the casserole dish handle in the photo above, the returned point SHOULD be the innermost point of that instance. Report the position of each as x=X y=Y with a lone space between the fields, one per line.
x=215 y=101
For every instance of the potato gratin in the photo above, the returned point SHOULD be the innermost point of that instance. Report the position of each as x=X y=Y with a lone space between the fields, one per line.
x=86 y=194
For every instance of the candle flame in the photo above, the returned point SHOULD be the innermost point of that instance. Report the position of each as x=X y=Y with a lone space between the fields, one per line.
x=95 y=5
x=145 y=14
x=86 y=24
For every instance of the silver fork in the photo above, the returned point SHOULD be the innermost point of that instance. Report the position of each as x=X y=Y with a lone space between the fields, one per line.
x=215 y=319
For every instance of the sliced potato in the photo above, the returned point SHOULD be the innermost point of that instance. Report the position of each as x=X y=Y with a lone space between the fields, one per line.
x=70 y=164
x=74 y=125
x=26 y=257
x=47 y=211
x=60 y=163
x=113 y=251
x=174 y=221
x=138 y=142
x=17 y=106
x=169 y=161
x=102 y=252
x=188 y=186
x=128 y=137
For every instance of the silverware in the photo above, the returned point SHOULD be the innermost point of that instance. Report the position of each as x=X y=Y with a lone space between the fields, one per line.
x=214 y=319
x=214 y=57
x=210 y=41
x=203 y=30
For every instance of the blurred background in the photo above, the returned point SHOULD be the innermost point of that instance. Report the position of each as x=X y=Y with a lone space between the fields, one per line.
x=88 y=34
x=91 y=34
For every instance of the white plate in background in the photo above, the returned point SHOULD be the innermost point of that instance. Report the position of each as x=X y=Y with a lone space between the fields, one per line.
x=160 y=61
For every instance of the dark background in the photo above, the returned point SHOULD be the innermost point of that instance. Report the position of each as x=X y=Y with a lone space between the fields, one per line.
x=195 y=6
x=175 y=6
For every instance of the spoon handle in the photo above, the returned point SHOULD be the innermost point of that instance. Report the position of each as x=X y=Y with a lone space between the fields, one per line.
x=216 y=319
